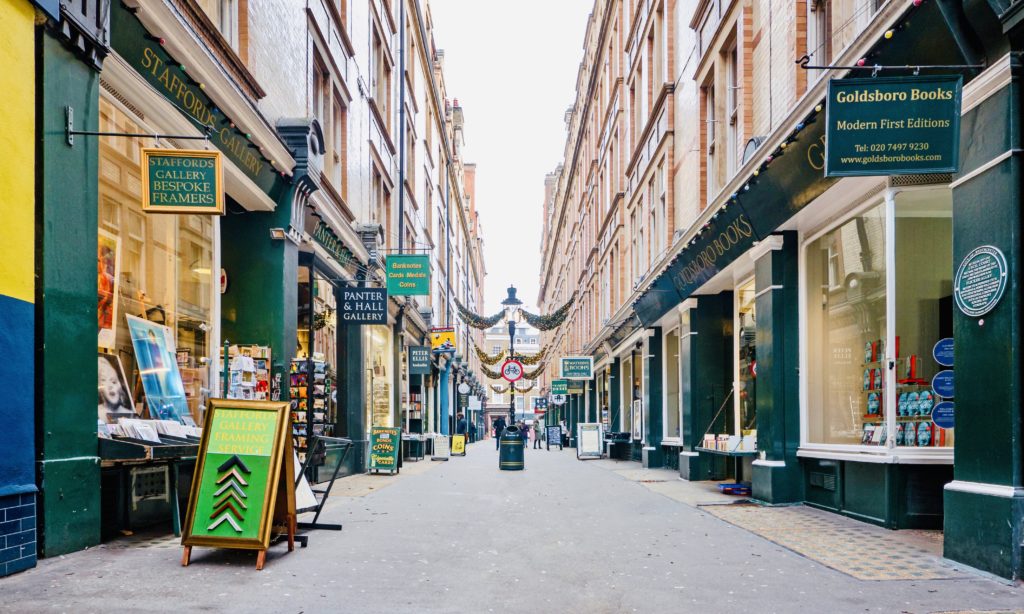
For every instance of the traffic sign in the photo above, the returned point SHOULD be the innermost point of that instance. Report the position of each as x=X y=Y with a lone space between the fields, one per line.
x=512 y=370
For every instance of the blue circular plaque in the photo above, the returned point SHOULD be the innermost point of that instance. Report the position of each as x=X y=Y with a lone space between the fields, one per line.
x=942 y=384
x=942 y=415
x=980 y=281
x=942 y=352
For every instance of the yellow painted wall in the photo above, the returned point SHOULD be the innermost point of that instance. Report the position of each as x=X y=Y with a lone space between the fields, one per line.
x=17 y=151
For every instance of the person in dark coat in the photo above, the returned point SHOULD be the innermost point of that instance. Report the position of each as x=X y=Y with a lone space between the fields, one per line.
x=499 y=428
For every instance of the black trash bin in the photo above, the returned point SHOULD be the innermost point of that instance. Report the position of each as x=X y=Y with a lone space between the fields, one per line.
x=510 y=450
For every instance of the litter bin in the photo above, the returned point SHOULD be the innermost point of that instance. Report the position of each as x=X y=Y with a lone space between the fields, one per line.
x=510 y=450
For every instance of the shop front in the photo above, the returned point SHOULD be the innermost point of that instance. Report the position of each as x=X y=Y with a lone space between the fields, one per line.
x=819 y=316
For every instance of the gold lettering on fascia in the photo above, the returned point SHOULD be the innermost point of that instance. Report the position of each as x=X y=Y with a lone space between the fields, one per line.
x=699 y=269
x=178 y=89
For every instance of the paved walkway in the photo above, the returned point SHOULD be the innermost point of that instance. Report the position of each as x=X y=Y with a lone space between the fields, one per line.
x=460 y=536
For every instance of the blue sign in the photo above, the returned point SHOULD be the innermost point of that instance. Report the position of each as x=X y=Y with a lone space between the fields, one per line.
x=942 y=415
x=942 y=384
x=943 y=352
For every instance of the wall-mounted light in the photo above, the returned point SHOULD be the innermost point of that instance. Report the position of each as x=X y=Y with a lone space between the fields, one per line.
x=278 y=234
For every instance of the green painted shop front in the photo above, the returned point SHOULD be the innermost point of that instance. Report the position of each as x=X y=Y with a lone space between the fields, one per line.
x=794 y=216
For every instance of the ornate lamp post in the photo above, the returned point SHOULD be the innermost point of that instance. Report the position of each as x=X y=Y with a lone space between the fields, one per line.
x=512 y=305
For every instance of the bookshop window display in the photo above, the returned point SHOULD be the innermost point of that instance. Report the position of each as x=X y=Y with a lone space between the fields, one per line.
x=155 y=294
x=313 y=375
x=878 y=297
x=746 y=363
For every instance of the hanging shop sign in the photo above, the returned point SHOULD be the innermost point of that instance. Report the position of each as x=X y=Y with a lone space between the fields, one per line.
x=474 y=403
x=171 y=79
x=943 y=384
x=942 y=352
x=943 y=415
x=512 y=370
x=385 y=444
x=243 y=478
x=558 y=399
x=539 y=403
x=182 y=181
x=408 y=274
x=325 y=236
x=980 y=281
x=893 y=126
x=463 y=388
x=419 y=360
x=559 y=386
x=575 y=387
x=578 y=367
x=363 y=306
x=442 y=339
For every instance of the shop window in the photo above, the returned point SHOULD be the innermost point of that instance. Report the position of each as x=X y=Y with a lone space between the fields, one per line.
x=746 y=359
x=378 y=370
x=626 y=391
x=869 y=378
x=156 y=267
x=672 y=405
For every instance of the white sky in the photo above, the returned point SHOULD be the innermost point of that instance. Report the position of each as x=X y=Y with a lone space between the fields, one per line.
x=513 y=68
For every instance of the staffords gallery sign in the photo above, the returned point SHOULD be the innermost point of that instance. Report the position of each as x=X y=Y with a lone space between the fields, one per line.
x=181 y=181
x=145 y=54
x=893 y=126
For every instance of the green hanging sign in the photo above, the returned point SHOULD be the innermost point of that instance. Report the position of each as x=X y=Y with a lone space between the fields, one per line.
x=182 y=181
x=408 y=274
x=560 y=386
x=578 y=367
x=893 y=126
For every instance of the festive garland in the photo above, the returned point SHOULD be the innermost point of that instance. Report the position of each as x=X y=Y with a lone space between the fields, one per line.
x=499 y=389
x=532 y=360
x=478 y=321
x=487 y=359
x=504 y=389
x=489 y=373
x=533 y=374
x=549 y=321
x=527 y=389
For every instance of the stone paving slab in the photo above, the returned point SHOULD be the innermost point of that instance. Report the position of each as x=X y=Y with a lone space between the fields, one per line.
x=864 y=551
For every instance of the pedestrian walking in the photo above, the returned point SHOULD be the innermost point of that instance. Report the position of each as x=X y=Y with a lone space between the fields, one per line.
x=472 y=432
x=460 y=425
x=499 y=428
x=536 y=434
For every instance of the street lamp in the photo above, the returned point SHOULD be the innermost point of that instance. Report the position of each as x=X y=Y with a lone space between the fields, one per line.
x=511 y=304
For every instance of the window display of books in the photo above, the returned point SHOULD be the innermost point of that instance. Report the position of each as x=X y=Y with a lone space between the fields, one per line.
x=914 y=402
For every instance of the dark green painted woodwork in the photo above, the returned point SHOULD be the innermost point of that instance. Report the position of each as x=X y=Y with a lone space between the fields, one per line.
x=260 y=305
x=653 y=429
x=981 y=530
x=707 y=372
x=615 y=395
x=592 y=401
x=351 y=395
x=866 y=490
x=66 y=223
x=777 y=393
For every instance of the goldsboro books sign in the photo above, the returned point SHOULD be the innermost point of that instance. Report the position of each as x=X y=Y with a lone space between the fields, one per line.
x=893 y=126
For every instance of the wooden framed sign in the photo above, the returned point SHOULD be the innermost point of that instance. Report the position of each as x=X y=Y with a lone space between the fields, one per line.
x=385 y=446
x=242 y=486
x=182 y=181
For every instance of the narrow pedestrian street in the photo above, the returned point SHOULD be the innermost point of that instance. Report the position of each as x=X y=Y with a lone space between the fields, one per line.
x=562 y=536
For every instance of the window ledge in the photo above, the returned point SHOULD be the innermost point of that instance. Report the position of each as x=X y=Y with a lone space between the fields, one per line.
x=863 y=454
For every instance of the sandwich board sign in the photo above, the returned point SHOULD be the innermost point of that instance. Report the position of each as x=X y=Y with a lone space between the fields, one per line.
x=589 y=446
x=243 y=483
x=385 y=445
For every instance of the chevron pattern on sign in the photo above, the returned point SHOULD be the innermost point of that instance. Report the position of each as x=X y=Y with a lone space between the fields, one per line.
x=232 y=485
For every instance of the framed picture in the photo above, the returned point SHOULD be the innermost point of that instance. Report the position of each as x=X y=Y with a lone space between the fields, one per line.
x=114 y=396
x=158 y=368
x=108 y=274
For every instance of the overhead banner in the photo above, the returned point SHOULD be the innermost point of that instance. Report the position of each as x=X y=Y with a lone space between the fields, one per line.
x=182 y=181
x=578 y=367
x=408 y=274
x=363 y=306
x=893 y=126
x=559 y=386
x=243 y=469
x=419 y=360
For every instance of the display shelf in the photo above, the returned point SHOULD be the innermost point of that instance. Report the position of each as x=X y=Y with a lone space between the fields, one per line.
x=311 y=384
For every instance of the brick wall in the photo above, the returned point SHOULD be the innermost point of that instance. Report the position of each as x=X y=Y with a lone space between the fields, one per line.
x=17 y=533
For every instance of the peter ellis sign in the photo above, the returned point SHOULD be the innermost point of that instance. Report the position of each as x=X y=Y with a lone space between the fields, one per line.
x=181 y=181
x=893 y=126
